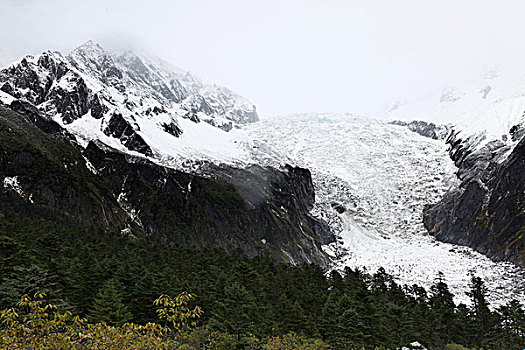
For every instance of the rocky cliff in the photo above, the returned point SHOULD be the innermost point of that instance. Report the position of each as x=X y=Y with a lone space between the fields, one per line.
x=487 y=212
x=257 y=210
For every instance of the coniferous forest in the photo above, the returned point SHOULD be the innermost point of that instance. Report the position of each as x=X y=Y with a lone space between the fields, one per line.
x=111 y=278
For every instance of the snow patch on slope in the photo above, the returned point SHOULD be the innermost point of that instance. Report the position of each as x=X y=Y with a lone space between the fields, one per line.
x=12 y=183
x=486 y=107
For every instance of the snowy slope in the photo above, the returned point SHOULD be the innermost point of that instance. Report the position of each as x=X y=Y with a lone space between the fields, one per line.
x=488 y=106
x=135 y=103
x=382 y=176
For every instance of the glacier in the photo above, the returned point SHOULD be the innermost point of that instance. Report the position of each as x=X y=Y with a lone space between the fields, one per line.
x=372 y=182
x=372 y=179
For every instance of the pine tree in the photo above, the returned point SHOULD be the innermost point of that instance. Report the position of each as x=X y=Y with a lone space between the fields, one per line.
x=12 y=254
x=108 y=306
x=483 y=319
x=442 y=312
x=329 y=316
x=236 y=310
x=28 y=281
x=82 y=280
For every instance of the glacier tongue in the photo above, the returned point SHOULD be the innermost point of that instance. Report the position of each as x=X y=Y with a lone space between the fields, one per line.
x=372 y=182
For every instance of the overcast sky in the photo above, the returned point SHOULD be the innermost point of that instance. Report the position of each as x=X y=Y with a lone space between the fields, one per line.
x=288 y=55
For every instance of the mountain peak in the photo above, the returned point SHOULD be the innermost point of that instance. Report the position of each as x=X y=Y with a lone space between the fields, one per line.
x=126 y=99
x=90 y=48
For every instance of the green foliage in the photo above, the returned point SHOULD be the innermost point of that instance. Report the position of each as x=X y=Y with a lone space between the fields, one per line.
x=12 y=254
x=91 y=271
x=44 y=326
x=28 y=280
x=455 y=347
x=176 y=313
x=108 y=306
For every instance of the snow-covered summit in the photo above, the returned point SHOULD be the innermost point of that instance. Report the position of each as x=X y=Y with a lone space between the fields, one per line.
x=492 y=104
x=133 y=102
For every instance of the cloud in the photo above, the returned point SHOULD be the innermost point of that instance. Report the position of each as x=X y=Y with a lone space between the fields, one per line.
x=288 y=55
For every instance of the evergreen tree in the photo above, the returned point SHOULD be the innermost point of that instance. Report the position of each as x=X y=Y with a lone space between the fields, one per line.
x=12 y=254
x=483 y=320
x=329 y=316
x=82 y=279
x=236 y=310
x=108 y=306
x=442 y=312
x=28 y=281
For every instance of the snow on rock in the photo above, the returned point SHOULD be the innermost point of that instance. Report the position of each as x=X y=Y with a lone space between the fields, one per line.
x=372 y=182
x=490 y=105
x=132 y=102
x=132 y=213
x=12 y=183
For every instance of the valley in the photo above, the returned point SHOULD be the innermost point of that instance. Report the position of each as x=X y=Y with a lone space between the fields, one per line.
x=373 y=180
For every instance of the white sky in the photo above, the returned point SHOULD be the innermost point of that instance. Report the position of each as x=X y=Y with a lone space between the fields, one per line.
x=288 y=55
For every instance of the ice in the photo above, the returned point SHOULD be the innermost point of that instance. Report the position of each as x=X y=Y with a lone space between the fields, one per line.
x=489 y=105
x=382 y=176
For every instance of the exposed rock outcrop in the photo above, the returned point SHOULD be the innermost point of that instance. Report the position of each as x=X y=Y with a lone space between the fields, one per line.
x=436 y=132
x=487 y=212
x=258 y=210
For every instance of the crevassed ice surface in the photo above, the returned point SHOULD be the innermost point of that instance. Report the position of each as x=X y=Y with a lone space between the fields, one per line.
x=383 y=175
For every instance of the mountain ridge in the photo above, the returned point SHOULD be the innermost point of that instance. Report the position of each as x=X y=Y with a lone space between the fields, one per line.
x=94 y=93
x=128 y=124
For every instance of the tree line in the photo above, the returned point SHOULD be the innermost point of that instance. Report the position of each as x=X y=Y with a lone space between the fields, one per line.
x=108 y=277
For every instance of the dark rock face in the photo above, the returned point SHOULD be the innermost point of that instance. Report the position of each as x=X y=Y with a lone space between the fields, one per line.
x=487 y=212
x=98 y=109
x=517 y=132
x=256 y=209
x=436 y=132
x=35 y=117
x=71 y=97
x=52 y=175
x=121 y=129
x=172 y=129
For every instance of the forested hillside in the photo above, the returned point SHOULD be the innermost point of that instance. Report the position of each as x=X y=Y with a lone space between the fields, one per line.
x=111 y=278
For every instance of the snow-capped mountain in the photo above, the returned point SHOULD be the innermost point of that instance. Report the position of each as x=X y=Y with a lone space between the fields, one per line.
x=131 y=144
x=373 y=180
x=136 y=118
x=131 y=102
x=486 y=108
x=485 y=120
x=492 y=103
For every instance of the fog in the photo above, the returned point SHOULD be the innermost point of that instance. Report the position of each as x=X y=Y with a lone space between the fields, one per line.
x=288 y=55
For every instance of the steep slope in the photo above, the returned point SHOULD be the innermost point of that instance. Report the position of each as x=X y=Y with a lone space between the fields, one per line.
x=373 y=181
x=486 y=211
x=149 y=133
x=131 y=102
x=485 y=143
x=40 y=170
x=257 y=209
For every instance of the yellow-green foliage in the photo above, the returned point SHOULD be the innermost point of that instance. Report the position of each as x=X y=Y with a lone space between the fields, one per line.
x=176 y=312
x=34 y=324
x=292 y=341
